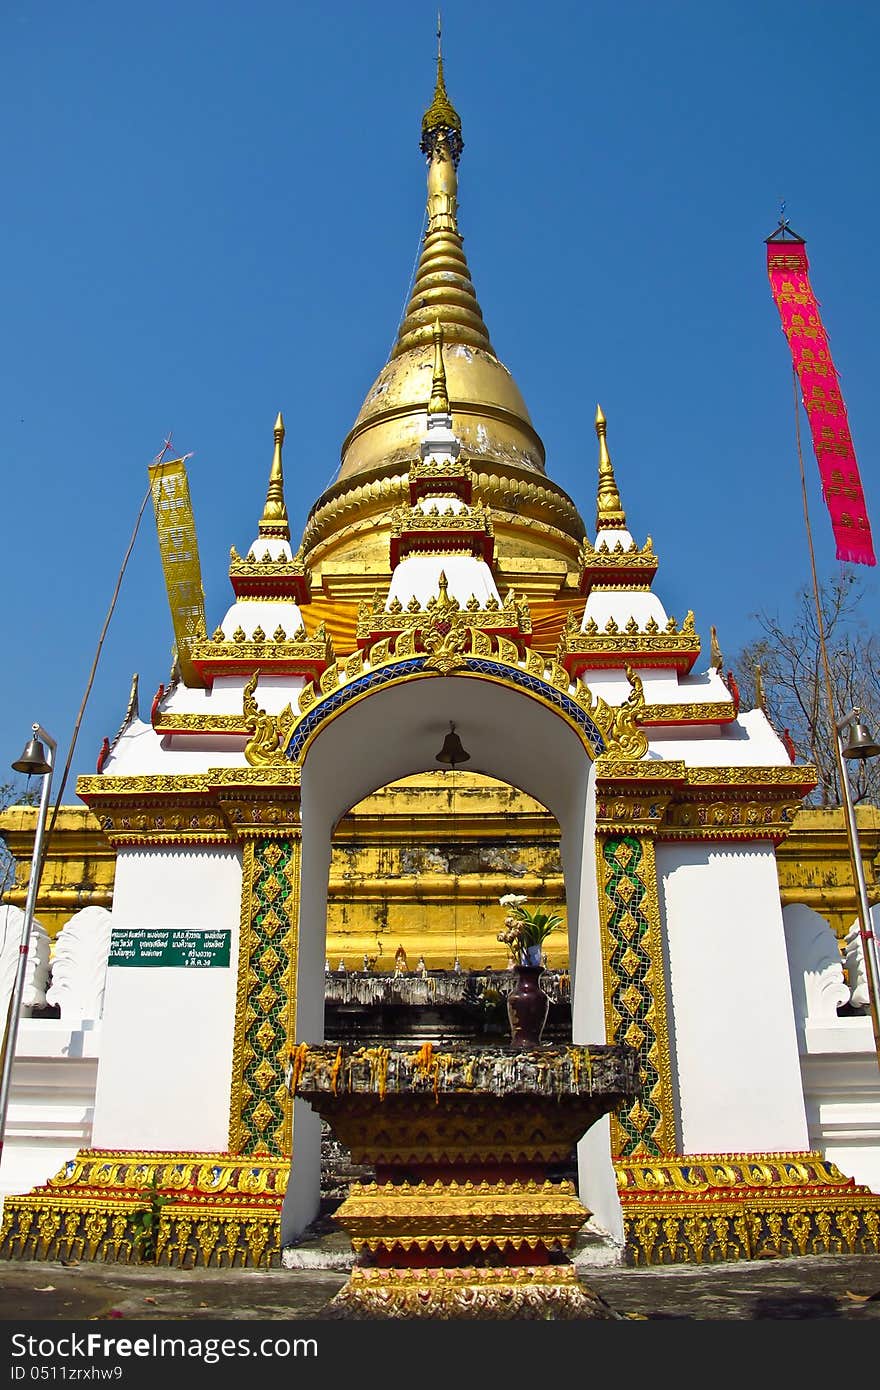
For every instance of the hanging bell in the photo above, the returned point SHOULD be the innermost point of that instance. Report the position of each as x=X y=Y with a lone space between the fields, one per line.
x=860 y=744
x=452 y=751
x=33 y=761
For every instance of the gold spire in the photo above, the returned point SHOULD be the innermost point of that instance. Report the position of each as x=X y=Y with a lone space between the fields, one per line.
x=273 y=522
x=609 y=508
x=760 y=698
x=443 y=281
x=441 y=120
x=716 y=660
x=491 y=416
x=439 y=402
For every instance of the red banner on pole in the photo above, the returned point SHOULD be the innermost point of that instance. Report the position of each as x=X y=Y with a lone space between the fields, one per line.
x=788 y=269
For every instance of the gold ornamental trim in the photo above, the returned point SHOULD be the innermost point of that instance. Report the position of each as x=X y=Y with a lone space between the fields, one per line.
x=704 y=1208
x=697 y=1173
x=694 y=712
x=803 y=777
x=635 y=988
x=407 y=520
x=227 y=656
x=613 y=567
x=217 y=1209
x=265 y=577
x=374 y=619
x=219 y=807
x=260 y=1112
x=629 y=645
x=462 y=1215
x=451 y=643
x=677 y=803
x=522 y=495
x=541 y=1292
x=236 y=724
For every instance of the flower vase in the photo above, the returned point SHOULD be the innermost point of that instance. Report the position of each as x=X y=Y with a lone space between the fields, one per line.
x=527 y=1007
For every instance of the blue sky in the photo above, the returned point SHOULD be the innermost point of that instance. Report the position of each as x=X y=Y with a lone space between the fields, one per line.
x=211 y=212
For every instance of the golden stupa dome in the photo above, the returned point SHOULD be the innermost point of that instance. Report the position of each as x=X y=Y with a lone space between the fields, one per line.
x=489 y=414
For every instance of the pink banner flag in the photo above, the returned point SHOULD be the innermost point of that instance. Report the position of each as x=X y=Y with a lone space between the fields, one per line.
x=788 y=269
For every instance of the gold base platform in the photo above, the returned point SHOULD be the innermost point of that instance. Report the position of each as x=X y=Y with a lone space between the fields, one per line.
x=539 y=1292
x=704 y=1208
x=216 y=1209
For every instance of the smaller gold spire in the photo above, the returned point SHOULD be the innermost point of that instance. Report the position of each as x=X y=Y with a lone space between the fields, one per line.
x=609 y=508
x=274 y=522
x=439 y=402
x=760 y=698
x=716 y=660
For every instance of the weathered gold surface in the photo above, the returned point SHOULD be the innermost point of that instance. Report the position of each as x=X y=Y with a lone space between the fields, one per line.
x=545 y=1292
x=458 y=1106
x=79 y=867
x=814 y=866
x=392 y=881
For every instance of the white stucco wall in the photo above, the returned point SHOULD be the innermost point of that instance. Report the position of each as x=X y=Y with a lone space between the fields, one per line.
x=733 y=1039
x=166 y=1056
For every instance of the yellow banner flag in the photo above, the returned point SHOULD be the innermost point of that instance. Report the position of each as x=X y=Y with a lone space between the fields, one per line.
x=179 y=552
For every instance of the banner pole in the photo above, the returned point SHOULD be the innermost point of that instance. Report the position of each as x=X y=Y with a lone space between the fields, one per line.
x=865 y=925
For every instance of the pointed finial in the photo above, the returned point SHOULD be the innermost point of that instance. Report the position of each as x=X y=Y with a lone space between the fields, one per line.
x=133 y=711
x=760 y=698
x=441 y=121
x=439 y=402
x=716 y=660
x=273 y=522
x=609 y=508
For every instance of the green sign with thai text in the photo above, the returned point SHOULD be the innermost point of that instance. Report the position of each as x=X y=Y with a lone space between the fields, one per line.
x=169 y=946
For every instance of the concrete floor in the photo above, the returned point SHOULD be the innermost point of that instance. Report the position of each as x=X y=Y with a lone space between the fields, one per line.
x=840 y=1287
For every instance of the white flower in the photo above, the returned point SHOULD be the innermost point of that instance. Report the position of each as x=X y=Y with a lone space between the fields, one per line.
x=513 y=899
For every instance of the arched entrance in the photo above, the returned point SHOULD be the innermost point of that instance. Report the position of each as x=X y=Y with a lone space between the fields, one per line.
x=536 y=738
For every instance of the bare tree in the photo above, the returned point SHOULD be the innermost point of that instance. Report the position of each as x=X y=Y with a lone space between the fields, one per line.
x=790 y=661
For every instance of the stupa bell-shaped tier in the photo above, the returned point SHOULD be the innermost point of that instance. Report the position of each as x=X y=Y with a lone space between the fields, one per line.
x=490 y=414
x=441 y=544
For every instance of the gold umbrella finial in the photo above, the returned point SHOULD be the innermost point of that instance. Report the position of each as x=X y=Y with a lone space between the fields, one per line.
x=609 y=508
x=439 y=402
x=274 y=522
x=441 y=121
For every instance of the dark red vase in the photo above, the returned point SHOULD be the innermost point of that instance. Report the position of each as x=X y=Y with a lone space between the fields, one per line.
x=527 y=1007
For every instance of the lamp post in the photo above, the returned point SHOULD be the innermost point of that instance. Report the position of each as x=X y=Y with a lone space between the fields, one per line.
x=35 y=762
x=860 y=746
